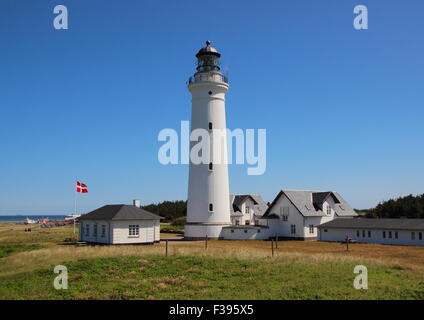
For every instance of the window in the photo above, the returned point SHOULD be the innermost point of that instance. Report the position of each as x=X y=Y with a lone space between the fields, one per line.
x=384 y=234
x=363 y=233
x=328 y=210
x=325 y=230
x=284 y=213
x=87 y=230
x=210 y=125
x=293 y=229
x=369 y=234
x=396 y=235
x=390 y=234
x=210 y=166
x=357 y=233
x=247 y=209
x=95 y=231
x=412 y=235
x=245 y=231
x=210 y=207
x=232 y=230
x=247 y=222
x=237 y=222
x=259 y=230
x=311 y=229
x=134 y=230
x=103 y=234
x=420 y=235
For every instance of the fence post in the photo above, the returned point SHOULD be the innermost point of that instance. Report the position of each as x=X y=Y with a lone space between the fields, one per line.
x=166 y=248
x=276 y=242
x=206 y=242
x=272 y=246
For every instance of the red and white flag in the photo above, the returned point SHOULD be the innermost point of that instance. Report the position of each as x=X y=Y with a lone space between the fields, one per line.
x=81 y=187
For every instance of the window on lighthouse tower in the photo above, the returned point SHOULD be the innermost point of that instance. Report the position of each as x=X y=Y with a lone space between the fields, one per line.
x=210 y=207
x=210 y=166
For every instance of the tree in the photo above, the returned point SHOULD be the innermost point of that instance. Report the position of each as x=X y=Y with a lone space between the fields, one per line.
x=404 y=207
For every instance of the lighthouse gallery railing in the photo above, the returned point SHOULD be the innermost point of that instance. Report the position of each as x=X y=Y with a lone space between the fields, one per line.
x=208 y=77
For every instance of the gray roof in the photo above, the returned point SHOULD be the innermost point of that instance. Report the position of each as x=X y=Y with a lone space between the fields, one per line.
x=236 y=200
x=309 y=203
x=363 y=223
x=119 y=212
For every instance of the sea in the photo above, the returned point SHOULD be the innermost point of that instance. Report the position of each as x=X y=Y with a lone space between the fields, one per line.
x=20 y=218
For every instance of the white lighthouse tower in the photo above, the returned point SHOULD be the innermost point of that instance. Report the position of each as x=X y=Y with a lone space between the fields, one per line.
x=208 y=208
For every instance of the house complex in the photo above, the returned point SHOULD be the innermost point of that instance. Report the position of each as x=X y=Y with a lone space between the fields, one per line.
x=385 y=231
x=120 y=224
x=294 y=215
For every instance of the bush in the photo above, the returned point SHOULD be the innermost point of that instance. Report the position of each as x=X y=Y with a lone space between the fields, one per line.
x=179 y=221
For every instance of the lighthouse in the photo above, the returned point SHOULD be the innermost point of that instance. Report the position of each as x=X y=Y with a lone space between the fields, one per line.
x=208 y=205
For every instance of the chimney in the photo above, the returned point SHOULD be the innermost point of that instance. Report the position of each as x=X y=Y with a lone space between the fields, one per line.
x=137 y=203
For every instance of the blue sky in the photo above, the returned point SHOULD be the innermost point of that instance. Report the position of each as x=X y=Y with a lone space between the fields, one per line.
x=343 y=108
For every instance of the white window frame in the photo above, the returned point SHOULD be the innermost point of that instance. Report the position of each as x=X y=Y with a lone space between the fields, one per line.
x=103 y=233
x=134 y=231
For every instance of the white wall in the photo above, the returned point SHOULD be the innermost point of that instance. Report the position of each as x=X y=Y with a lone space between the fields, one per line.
x=91 y=236
x=148 y=231
x=245 y=233
x=339 y=234
x=282 y=228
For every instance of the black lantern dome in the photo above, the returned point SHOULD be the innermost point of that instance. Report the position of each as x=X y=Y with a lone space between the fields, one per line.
x=208 y=59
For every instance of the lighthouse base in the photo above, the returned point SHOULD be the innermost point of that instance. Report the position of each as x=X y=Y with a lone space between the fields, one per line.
x=199 y=231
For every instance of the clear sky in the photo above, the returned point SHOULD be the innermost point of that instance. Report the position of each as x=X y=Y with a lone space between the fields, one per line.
x=343 y=108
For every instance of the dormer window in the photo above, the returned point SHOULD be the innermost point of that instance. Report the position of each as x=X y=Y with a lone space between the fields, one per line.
x=328 y=210
x=247 y=210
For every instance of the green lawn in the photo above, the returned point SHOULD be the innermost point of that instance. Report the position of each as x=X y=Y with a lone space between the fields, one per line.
x=168 y=228
x=189 y=277
x=9 y=249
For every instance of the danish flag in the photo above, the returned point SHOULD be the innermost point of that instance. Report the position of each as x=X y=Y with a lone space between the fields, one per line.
x=81 y=187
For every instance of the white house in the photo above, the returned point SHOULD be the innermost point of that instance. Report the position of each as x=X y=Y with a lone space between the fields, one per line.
x=120 y=224
x=246 y=209
x=294 y=215
x=386 y=231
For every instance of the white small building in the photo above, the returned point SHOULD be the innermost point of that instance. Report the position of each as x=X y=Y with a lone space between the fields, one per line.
x=408 y=232
x=294 y=214
x=120 y=224
x=246 y=209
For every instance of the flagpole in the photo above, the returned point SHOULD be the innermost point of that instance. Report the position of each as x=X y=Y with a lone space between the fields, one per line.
x=75 y=212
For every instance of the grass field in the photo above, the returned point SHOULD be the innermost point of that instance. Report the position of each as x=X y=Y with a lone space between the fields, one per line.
x=226 y=270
